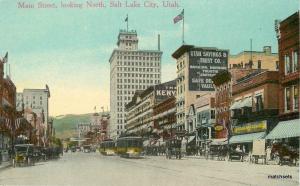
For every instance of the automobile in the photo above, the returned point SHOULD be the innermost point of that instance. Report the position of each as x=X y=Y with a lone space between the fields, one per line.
x=86 y=148
x=23 y=155
x=73 y=149
x=38 y=154
x=285 y=154
x=93 y=149
x=217 y=151
x=235 y=155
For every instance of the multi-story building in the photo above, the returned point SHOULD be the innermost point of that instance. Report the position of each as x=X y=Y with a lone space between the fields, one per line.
x=131 y=69
x=289 y=67
x=99 y=124
x=7 y=110
x=164 y=116
x=223 y=85
x=205 y=118
x=254 y=108
x=223 y=82
x=195 y=68
x=139 y=112
x=288 y=129
x=255 y=60
x=37 y=100
x=84 y=128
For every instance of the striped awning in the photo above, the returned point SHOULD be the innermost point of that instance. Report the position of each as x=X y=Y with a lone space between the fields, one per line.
x=285 y=129
x=236 y=105
x=246 y=138
x=247 y=102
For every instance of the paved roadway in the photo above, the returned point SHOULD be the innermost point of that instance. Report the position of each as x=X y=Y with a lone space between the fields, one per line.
x=89 y=169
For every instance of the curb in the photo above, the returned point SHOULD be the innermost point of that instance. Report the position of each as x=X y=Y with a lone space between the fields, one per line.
x=5 y=165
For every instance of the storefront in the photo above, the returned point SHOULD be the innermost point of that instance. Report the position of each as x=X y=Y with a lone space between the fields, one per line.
x=190 y=143
x=244 y=135
x=5 y=138
x=287 y=132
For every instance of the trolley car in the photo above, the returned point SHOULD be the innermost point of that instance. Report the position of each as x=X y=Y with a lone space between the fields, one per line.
x=107 y=147
x=129 y=147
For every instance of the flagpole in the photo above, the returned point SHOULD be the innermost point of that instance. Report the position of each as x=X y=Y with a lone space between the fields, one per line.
x=183 y=28
x=127 y=22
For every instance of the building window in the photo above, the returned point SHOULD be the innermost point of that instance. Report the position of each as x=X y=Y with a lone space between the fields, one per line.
x=287 y=98
x=295 y=61
x=277 y=65
x=296 y=98
x=259 y=64
x=287 y=64
x=259 y=103
x=212 y=114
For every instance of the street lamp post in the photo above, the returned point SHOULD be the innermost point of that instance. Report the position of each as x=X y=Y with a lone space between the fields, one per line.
x=205 y=145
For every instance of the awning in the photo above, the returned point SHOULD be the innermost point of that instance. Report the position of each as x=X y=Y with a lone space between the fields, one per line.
x=247 y=102
x=246 y=138
x=221 y=141
x=285 y=129
x=236 y=105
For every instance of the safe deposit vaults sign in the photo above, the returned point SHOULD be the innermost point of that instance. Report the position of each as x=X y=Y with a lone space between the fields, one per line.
x=203 y=65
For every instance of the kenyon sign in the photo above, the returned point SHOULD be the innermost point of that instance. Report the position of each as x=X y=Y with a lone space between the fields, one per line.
x=165 y=90
x=166 y=93
x=203 y=65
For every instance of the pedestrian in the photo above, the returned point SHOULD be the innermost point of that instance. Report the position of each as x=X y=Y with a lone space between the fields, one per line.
x=268 y=153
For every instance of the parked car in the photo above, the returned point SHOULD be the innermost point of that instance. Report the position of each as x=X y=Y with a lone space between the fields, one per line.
x=23 y=155
x=39 y=154
x=235 y=155
x=86 y=148
x=285 y=154
x=73 y=149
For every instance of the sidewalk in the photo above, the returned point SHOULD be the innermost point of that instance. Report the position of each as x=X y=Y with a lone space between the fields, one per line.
x=5 y=165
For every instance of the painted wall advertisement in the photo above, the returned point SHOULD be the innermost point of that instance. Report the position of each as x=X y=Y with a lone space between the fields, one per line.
x=203 y=65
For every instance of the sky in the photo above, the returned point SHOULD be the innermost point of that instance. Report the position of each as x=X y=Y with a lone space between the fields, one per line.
x=69 y=49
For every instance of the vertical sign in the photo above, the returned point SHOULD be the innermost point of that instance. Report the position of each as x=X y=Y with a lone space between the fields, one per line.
x=203 y=65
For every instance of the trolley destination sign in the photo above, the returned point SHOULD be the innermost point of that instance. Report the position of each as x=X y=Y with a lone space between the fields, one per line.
x=203 y=65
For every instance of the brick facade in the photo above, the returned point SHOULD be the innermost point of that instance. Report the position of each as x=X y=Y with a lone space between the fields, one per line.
x=288 y=42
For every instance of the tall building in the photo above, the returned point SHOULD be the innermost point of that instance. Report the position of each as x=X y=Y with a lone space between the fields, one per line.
x=195 y=68
x=37 y=100
x=131 y=69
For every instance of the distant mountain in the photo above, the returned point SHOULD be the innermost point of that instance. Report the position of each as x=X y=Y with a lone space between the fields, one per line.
x=65 y=125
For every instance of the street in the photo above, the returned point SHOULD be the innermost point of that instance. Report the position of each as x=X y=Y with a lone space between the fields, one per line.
x=94 y=169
